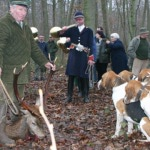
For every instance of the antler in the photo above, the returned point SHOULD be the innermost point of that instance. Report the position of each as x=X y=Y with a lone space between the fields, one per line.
x=47 y=94
x=47 y=85
x=33 y=109
x=49 y=125
x=16 y=75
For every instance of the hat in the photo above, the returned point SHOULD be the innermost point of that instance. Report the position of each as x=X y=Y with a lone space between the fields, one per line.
x=25 y=3
x=115 y=35
x=34 y=30
x=143 y=30
x=78 y=14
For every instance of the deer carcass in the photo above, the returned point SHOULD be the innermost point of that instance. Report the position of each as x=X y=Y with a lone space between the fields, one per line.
x=29 y=120
x=26 y=124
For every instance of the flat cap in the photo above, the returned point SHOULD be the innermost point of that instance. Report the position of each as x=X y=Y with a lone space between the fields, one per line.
x=25 y=3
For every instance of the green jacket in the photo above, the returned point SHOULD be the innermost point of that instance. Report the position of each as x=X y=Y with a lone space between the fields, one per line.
x=132 y=48
x=52 y=49
x=104 y=52
x=17 y=46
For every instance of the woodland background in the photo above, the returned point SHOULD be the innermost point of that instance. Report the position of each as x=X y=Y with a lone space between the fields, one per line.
x=78 y=125
x=122 y=16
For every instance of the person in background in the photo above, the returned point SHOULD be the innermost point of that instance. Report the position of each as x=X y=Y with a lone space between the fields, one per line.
x=39 y=73
x=118 y=55
x=17 y=47
x=52 y=48
x=102 y=55
x=139 y=52
x=80 y=55
x=100 y=28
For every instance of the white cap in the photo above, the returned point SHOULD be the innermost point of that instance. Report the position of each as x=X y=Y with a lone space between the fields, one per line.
x=115 y=35
x=34 y=30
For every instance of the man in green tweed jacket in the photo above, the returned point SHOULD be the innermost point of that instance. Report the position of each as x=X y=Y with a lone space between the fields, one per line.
x=17 y=46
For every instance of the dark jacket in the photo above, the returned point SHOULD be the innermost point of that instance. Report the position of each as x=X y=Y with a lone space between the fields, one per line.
x=77 y=61
x=43 y=47
x=118 y=56
x=17 y=46
x=104 y=53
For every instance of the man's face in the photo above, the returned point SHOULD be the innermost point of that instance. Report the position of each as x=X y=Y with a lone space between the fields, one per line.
x=41 y=38
x=144 y=35
x=79 y=21
x=18 y=12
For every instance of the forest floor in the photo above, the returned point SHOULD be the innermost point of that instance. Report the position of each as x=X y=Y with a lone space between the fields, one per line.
x=78 y=125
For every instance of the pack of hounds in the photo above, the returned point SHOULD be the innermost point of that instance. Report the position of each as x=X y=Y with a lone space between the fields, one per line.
x=131 y=99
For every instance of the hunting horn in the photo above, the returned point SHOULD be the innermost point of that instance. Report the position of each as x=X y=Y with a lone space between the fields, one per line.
x=61 y=44
x=54 y=31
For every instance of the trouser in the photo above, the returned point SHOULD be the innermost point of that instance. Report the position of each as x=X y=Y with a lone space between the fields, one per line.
x=70 y=86
x=83 y=85
x=138 y=65
x=101 y=69
x=10 y=90
x=4 y=139
x=39 y=72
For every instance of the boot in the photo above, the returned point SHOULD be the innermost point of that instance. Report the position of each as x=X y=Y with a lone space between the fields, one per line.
x=85 y=89
x=70 y=89
x=80 y=88
x=4 y=139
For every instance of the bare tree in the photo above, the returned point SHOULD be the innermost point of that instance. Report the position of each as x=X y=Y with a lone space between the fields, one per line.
x=33 y=9
x=90 y=16
x=45 y=19
x=105 y=16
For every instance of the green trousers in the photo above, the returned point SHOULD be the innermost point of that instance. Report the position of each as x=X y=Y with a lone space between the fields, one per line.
x=10 y=90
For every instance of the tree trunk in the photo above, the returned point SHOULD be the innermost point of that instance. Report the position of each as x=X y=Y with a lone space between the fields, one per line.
x=105 y=16
x=45 y=19
x=90 y=16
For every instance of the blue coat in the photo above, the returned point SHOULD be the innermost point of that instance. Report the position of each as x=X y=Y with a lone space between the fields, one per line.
x=43 y=47
x=77 y=61
x=118 y=56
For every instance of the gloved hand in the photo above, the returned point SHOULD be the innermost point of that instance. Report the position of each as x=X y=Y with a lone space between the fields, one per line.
x=79 y=47
x=91 y=60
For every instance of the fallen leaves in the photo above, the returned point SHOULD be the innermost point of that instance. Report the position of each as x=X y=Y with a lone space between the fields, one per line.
x=80 y=126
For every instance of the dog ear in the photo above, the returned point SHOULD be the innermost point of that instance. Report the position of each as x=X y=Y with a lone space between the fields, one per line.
x=108 y=83
x=130 y=92
x=119 y=81
x=109 y=79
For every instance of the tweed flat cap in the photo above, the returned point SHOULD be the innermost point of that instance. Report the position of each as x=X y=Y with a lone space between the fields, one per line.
x=25 y=3
x=143 y=30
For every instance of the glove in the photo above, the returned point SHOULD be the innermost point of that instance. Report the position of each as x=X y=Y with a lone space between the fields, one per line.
x=79 y=47
x=91 y=57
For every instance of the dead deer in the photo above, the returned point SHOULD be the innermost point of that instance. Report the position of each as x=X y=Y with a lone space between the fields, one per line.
x=29 y=120
x=25 y=125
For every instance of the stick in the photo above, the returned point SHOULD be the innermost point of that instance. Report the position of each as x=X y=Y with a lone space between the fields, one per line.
x=50 y=126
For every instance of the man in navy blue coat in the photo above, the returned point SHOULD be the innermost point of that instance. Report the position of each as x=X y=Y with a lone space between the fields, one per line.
x=80 y=43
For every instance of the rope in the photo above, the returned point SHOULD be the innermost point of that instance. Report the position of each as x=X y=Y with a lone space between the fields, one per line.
x=90 y=72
